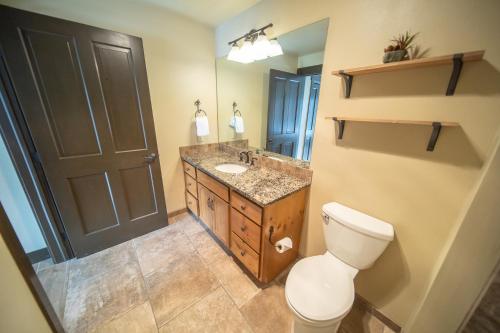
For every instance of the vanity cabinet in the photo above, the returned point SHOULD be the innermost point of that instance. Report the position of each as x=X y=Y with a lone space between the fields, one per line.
x=214 y=212
x=248 y=229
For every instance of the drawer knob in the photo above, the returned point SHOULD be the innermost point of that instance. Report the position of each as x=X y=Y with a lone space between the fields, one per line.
x=243 y=207
x=187 y=169
x=242 y=253
x=189 y=184
x=243 y=228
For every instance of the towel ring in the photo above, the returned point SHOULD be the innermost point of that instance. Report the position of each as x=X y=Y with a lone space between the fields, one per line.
x=235 y=110
x=198 y=110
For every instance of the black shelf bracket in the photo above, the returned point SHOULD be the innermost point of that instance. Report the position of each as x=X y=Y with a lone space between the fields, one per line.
x=341 y=127
x=347 y=83
x=455 y=74
x=436 y=128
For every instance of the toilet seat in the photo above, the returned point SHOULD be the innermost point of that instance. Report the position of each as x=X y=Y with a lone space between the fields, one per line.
x=320 y=288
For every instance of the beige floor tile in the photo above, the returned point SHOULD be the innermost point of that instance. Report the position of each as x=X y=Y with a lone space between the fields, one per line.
x=176 y=286
x=237 y=284
x=54 y=280
x=138 y=320
x=101 y=262
x=215 y=313
x=44 y=264
x=161 y=248
x=207 y=247
x=189 y=224
x=93 y=301
x=268 y=311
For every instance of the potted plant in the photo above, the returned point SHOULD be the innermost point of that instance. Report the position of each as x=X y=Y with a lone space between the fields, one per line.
x=399 y=50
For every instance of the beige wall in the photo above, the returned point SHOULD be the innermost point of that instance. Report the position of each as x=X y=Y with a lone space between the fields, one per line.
x=248 y=85
x=311 y=59
x=19 y=311
x=384 y=170
x=180 y=64
x=471 y=260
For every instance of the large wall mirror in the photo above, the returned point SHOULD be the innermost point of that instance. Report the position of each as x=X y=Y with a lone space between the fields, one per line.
x=277 y=98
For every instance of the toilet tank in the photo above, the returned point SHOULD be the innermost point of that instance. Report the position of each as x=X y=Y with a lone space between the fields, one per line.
x=354 y=237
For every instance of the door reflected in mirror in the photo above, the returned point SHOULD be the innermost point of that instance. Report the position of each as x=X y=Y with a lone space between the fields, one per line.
x=272 y=103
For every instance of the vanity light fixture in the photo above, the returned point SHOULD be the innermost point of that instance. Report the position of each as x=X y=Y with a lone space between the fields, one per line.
x=256 y=46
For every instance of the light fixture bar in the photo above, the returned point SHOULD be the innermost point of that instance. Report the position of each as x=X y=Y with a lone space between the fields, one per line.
x=250 y=33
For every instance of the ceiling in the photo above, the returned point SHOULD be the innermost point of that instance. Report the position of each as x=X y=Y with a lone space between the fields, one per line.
x=305 y=40
x=211 y=12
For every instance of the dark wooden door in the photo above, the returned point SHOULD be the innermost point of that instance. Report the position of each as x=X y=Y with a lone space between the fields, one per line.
x=312 y=109
x=84 y=94
x=286 y=91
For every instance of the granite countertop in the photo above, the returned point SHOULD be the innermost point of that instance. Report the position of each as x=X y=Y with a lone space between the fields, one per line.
x=259 y=184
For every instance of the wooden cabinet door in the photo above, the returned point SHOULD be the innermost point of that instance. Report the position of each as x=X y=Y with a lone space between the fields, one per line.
x=205 y=205
x=221 y=219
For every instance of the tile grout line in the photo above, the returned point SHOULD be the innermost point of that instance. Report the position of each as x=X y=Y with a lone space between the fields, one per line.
x=146 y=288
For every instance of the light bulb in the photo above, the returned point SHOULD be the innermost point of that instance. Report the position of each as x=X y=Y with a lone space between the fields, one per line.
x=246 y=52
x=275 y=49
x=261 y=47
x=234 y=54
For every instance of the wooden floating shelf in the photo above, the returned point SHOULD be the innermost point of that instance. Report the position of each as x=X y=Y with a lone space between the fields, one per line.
x=456 y=60
x=436 y=126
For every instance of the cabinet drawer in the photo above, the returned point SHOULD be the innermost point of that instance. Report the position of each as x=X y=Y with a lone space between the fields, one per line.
x=221 y=190
x=192 y=203
x=248 y=208
x=245 y=254
x=191 y=185
x=189 y=169
x=247 y=230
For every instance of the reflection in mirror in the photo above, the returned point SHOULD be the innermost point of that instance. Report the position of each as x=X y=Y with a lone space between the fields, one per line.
x=272 y=103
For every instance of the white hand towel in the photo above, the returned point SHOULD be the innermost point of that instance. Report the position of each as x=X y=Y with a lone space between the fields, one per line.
x=239 y=127
x=232 y=121
x=202 y=126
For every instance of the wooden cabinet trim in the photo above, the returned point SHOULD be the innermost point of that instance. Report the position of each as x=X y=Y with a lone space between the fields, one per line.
x=189 y=169
x=221 y=219
x=245 y=254
x=247 y=207
x=246 y=229
x=222 y=191
x=191 y=185
x=192 y=203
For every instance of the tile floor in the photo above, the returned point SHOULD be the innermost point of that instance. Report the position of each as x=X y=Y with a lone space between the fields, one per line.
x=176 y=279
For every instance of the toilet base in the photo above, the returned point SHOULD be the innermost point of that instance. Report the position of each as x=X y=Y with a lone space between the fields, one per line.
x=299 y=326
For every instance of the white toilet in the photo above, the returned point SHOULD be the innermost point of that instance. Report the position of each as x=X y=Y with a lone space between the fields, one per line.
x=320 y=289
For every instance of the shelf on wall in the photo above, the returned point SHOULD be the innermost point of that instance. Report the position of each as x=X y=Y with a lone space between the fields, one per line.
x=456 y=60
x=436 y=126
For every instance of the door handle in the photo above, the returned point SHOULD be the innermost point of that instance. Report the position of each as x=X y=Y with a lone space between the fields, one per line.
x=150 y=158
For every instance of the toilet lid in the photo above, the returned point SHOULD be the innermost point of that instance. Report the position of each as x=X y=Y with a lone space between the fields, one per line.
x=319 y=290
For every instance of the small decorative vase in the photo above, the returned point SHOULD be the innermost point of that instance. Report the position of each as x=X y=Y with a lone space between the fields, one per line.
x=393 y=56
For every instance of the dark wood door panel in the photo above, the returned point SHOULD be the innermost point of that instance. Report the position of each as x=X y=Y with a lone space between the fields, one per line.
x=60 y=83
x=84 y=95
x=96 y=212
x=286 y=93
x=139 y=192
x=120 y=94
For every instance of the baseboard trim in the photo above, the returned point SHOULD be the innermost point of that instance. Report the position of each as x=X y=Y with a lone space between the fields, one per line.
x=177 y=212
x=38 y=255
x=368 y=307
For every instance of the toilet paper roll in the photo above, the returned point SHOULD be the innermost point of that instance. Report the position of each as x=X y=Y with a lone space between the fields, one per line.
x=283 y=245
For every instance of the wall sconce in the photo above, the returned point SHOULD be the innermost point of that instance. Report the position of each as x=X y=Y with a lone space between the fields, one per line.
x=256 y=46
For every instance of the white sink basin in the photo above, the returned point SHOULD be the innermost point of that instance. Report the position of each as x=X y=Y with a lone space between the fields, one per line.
x=231 y=168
